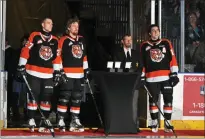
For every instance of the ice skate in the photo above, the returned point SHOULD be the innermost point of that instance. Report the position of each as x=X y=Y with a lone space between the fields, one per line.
x=32 y=124
x=61 y=124
x=44 y=128
x=168 y=128
x=75 y=125
x=154 y=126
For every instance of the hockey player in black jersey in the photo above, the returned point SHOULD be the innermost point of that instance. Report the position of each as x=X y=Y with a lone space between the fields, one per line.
x=75 y=68
x=159 y=74
x=37 y=63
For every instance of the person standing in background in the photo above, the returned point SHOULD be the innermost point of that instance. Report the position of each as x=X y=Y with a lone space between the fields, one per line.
x=127 y=54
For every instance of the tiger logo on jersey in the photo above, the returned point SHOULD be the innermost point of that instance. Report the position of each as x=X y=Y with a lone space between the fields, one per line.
x=156 y=55
x=45 y=53
x=77 y=51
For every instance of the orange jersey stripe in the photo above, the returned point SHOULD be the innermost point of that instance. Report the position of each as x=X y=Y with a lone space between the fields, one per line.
x=153 y=107
x=25 y=50
x=58 y=59
x=174 y=60
x=62 y=107
x=75 y=108
x=32 y=104
x=74 y=70
x=158 y=73
x=54 y=37
x=167 y=108
x=45 y=105
x=31 y=37
x=61 y=41
x=39 y=69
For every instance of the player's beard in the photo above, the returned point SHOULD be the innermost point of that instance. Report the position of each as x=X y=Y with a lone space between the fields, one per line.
x=75 y=33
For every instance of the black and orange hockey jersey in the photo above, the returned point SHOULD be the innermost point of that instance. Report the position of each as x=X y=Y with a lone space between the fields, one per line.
x=73 y=56
x=38 y=55
x=158 y=60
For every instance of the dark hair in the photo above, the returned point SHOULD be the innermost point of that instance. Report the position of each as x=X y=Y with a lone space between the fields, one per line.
x=43 y=20
x=126 y=35
x=71 y=21
x=25 y=37
x=192 y=13
x=151 y=26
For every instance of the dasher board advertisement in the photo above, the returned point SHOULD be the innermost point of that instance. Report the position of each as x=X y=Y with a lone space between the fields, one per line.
x=194 y=88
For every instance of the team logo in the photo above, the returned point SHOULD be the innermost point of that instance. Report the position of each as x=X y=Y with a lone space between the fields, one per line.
x=156 y=55
x=77 y=51
x=45 y=53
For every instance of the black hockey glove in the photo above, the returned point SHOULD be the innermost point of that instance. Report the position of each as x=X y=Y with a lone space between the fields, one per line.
x=142 y=82
x=173 y=79
x=87 y=75
x=21 y=71
x=56 y=77
x=64 y=78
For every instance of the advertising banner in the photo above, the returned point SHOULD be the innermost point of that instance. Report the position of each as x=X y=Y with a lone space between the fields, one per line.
x=194 y=88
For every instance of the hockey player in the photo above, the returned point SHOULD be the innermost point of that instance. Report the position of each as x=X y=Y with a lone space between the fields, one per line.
x=36 y=63
x=159 y=74
x=75 y=68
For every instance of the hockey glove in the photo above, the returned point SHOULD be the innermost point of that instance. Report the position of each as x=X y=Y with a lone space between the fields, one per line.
x=21 y=71
x=142 y=82
x=173 y=79
x=56 y=77
x=87 y=75
x=64 y=78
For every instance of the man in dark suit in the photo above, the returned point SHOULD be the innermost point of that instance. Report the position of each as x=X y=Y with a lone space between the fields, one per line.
x=127 y=54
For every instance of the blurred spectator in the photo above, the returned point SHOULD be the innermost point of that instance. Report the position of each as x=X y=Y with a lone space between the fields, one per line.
x=199 y=18
x=195 y=42
x=9 y=67
x=198 y=57
x=19 y=87
x=195 y=31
